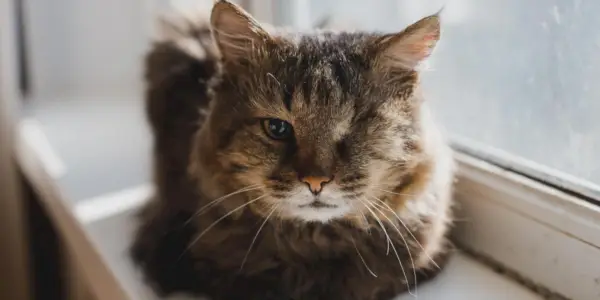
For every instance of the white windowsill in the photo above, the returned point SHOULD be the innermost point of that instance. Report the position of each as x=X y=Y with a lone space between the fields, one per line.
x=522 y=224
x=464 y=278
x=545 y=235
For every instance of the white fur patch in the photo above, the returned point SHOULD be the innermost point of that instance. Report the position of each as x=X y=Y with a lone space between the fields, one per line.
x=436 y=200
x=297 y=205
x=322 y=215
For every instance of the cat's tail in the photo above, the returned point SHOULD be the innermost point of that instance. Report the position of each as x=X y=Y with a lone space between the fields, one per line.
x=177 y=69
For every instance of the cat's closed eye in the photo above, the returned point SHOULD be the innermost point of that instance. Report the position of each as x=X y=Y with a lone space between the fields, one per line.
x=278 y=129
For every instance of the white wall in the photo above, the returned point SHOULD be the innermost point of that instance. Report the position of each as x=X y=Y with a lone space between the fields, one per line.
x=87 y=47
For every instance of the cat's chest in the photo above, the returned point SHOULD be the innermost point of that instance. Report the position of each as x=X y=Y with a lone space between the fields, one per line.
x=315 y=243
x=253 y=242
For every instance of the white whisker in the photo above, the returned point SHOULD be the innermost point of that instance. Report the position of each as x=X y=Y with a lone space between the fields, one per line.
x=273 y=76
x=409 y=231
x=351 y=203
x=394 y=193
x=256 y=235
x=221 y=219
x=222 y=198
x=390 y=241
x=363 y=260
x=405 y=243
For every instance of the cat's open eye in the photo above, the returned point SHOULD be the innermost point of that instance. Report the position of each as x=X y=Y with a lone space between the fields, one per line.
x=278 y=129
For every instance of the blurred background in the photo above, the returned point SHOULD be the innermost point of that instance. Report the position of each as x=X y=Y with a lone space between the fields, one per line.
x=513 y=82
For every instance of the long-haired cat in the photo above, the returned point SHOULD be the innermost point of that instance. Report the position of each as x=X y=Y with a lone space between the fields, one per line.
x=292 y=165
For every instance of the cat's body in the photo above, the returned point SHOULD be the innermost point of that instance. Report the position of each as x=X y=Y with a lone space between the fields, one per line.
x=242 y=248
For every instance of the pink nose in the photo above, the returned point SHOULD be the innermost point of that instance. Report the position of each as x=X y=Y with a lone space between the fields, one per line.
x=315 y=183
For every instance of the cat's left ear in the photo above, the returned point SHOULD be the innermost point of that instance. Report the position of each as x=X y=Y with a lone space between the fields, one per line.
x=410 y=47
x=235 y=32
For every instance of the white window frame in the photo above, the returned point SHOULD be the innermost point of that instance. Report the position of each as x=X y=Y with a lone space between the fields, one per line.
x=544 y=231
x=545 y=235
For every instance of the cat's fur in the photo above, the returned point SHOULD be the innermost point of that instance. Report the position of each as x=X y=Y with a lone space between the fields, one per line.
x=358 y=118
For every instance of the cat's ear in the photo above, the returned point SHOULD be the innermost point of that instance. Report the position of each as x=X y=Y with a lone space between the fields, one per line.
x=235 y=32
x=410 y=47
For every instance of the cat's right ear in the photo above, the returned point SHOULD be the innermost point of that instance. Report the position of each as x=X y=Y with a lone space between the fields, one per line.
x=407 y=49
x=235 y=32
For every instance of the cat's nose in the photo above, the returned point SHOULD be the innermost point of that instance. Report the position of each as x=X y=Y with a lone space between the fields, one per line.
x=316 y=183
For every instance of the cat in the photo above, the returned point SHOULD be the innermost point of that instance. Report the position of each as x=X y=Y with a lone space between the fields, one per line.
x=292 y=165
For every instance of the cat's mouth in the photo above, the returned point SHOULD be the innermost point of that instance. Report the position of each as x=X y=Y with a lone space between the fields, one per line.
x=318 y=204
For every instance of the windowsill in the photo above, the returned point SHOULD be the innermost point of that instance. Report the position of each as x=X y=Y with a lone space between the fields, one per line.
x=463 y=279
x=544 y=235
x=95 y=180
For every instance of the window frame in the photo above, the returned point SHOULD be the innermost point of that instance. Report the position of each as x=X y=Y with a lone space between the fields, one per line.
x=526 y=226
x=536 y=171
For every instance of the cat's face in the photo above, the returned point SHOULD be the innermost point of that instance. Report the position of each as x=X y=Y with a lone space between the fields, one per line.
x=314 y=127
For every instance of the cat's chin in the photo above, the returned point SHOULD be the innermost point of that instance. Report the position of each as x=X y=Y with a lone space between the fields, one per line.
x=321 y=214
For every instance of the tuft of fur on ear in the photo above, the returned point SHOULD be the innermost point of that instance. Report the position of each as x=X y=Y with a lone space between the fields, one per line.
x=235 y=32
x=407 y=49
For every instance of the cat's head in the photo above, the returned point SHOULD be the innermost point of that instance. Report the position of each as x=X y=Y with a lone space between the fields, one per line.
x=312 y=126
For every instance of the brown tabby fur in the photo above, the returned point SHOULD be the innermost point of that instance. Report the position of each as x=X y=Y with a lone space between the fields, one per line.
x=208 y=143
